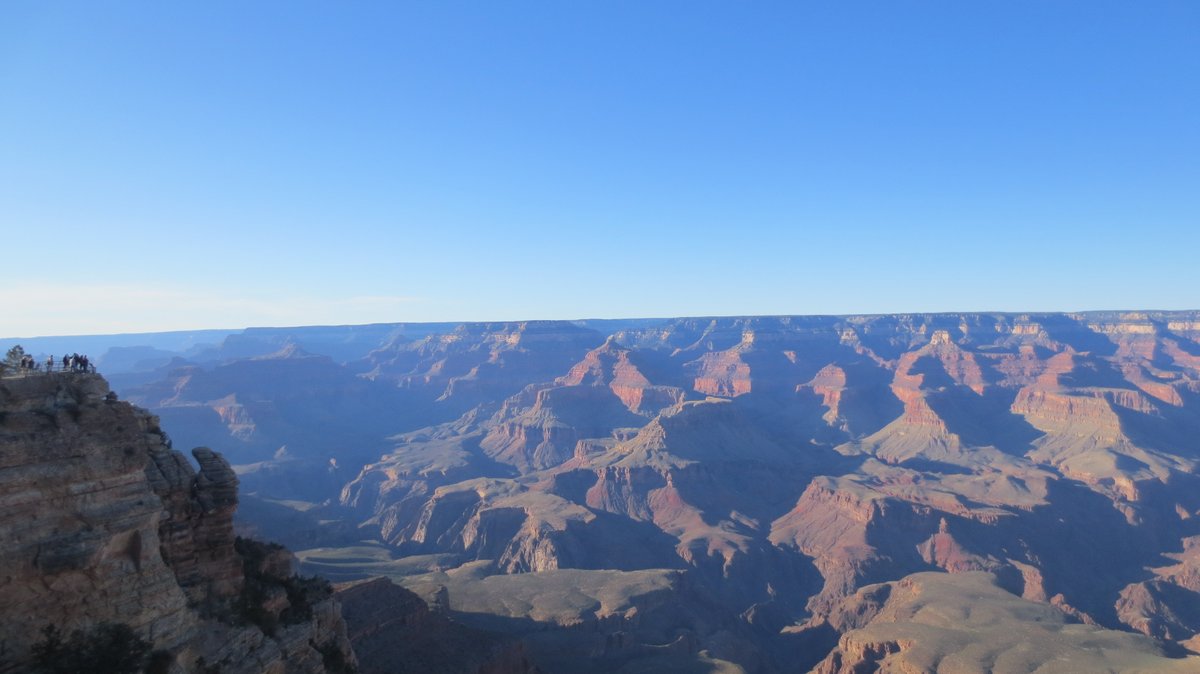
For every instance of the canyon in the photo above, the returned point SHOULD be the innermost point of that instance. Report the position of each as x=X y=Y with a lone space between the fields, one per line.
x=992 y=492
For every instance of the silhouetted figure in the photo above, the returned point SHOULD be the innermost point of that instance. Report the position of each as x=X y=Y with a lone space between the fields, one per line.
x=49 y=364
x=66 y=363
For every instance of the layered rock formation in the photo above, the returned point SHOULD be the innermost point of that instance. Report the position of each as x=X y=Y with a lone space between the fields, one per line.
x=938 y=622
x=102 y=522
x=775 y=466
x=395 y=632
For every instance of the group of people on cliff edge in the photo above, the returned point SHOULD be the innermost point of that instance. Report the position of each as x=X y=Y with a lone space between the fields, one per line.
x=74 y=362
x=71 y=363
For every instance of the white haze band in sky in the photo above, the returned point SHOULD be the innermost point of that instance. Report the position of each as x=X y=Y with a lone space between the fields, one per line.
x=46 y=309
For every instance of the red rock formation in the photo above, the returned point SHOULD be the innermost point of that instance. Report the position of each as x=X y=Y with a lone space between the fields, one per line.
x=943 y=551
x=722 y=374
x=830 y=383
x=831 y=523
x=935 y=622
x=838 y=449
x=613 y=367
x=625 y=490
x=961 y=365
x=907 y=387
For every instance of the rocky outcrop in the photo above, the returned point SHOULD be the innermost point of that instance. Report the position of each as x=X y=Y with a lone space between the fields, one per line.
x=941 y=622
x=102 y=522
x=834 y=521
x=723 y=374
x=79 y=519
x=617 y=369
x=196 y=529
x=541 y=427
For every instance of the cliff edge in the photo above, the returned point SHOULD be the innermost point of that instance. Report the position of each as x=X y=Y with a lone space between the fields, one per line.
x=101 y=522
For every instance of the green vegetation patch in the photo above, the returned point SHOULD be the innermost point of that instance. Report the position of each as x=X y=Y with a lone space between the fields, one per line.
x=368 y=560
x=562 y=596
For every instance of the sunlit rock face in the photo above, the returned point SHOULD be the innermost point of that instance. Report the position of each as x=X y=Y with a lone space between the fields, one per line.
x=104 y=522
x=775 y=465
x=965 y=622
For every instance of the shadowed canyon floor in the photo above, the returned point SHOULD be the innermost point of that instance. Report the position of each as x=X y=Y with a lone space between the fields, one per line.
x=718 y=494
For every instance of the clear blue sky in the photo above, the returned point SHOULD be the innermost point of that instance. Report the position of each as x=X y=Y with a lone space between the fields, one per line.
x=170 y=165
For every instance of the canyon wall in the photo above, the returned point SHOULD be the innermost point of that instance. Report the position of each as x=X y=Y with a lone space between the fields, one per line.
x=102 y=522
x=569 y=482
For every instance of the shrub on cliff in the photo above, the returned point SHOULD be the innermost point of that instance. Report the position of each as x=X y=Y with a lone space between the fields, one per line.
x=13 y=357
x=107 y=648
x=267 y=577
x=302 y=593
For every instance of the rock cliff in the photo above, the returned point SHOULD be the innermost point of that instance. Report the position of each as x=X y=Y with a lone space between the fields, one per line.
x=395 y=632
x=102 y=522
x=965 y=623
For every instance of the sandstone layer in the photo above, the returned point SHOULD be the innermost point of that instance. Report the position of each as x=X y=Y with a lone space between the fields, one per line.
x=102 y=522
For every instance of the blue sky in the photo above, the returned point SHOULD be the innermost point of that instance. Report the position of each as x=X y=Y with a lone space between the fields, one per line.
x=224 y=164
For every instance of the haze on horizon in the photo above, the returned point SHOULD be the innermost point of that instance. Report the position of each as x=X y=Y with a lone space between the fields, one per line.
x=170 y=166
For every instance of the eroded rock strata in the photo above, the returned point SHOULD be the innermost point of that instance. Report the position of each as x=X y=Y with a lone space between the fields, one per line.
x=963 y=622
x=102 y=522
x=761 y=471
x=395 y=632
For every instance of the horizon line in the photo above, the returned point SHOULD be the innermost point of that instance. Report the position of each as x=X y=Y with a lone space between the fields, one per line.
x=594 y=318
